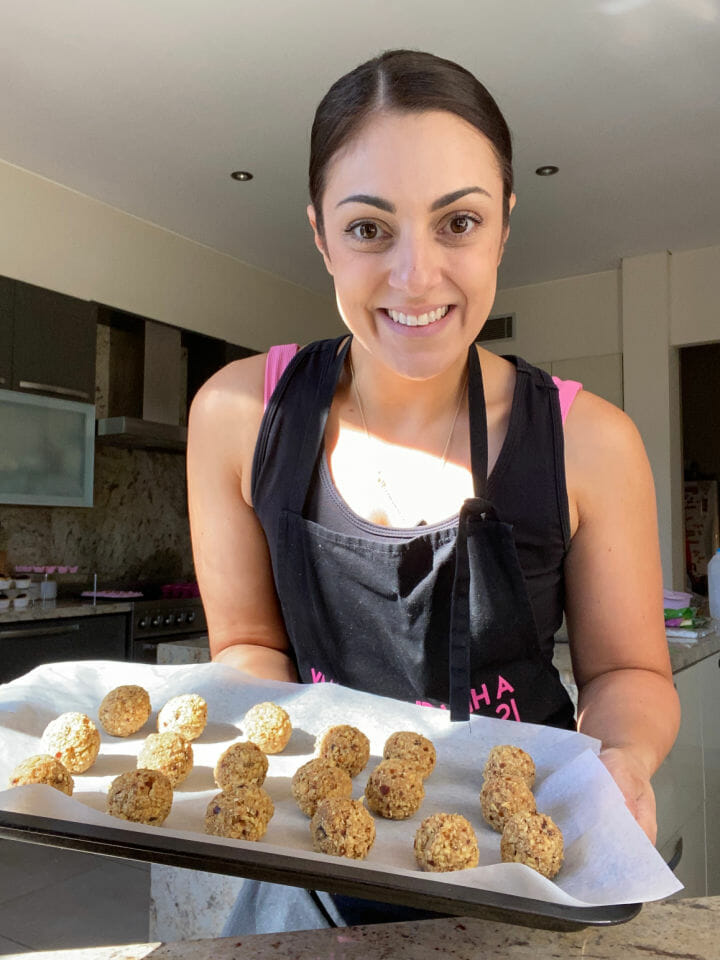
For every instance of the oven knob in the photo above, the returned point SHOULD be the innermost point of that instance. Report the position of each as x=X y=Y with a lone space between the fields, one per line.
x=191 y=616
x=180 y=617
x=157 y=620
x=143 y=622
x=169 y=619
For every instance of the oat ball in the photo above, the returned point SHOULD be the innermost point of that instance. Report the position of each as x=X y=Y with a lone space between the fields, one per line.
x=74 y=740
x=342 y=828
x=535 y=840
x=169 y=753
x=268 y=726
x=240 y=765
x=395 y=789
x=124 y=710
x=242 y=813
x=143 y=796
x=446 y=841
x=42 y=768
x=317 y=780
x=508 y=761
x=501 y=797
x=345 y=746
x=406 y=745
x=186 y=715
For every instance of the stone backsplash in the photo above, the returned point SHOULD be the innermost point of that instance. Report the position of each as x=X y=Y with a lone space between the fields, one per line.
x=137 y=529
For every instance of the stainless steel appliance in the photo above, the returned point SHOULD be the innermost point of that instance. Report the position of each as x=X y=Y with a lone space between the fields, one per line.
x=164 y=620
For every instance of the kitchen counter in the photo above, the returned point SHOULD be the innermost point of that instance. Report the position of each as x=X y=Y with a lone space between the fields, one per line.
x=52 y=609
x=669 y=928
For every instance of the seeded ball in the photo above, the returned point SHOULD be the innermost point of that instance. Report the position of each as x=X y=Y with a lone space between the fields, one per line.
x=42 y=768
x=413 y=747
x=446 y=841
x=345 y=746
x=342 y=828
x=509 y=761
x=124 y=710
x=240 y=765
x=142 y=796
x=317 y=780
x=169 y=753
x=74 y=740
x=501 y=797
x=395 y=789
x=242 y=813
x=268 y=726
x=186 y=715
x=535 y=840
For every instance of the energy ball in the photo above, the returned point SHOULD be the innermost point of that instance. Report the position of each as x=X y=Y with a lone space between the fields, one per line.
x=395 y=789
x=508 y=761
x=268 y=726
x=342 y=828
x=501 y=797
x=413 y=747
x=317 y=780
x=241 y=764
x=242 y=813
x=124 y=710
x=446 y=841
x=143 y=796
x=74 y=740
x=42 y=768
x=169 y=753
x=535 y=840
x=186 y=715
x=345 y=746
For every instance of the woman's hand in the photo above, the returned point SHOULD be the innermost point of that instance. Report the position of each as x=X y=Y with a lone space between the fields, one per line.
x=631 y=776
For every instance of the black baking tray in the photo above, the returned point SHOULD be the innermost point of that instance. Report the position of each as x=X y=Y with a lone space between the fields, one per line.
x=336 y=877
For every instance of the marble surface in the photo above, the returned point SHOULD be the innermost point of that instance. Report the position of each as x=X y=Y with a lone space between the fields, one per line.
x=681 y=929
x=54 y=609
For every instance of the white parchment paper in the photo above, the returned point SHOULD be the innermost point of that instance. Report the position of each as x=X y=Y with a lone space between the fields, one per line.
x=608 y=858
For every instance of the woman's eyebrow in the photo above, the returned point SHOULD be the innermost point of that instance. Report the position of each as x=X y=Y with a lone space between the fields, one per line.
x=445 y=200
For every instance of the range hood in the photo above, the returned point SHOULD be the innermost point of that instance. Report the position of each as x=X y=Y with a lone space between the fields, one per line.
x=146 y=386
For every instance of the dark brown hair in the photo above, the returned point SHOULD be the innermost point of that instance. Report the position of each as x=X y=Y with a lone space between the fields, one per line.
x=406 y=81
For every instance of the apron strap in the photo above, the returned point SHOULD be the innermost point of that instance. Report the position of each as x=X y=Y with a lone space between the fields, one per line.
x=478 y=423
x=312 y=440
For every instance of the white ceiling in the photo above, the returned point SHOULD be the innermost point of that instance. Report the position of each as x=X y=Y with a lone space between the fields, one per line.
x=149 y=105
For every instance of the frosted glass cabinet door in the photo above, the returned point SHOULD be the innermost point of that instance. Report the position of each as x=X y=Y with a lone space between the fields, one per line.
x=46 y=450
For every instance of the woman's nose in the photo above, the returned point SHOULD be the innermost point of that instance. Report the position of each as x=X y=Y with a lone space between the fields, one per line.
x=415 y=265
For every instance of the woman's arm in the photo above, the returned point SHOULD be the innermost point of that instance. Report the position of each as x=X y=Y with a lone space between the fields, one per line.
x=614 y=602
x=231 y=555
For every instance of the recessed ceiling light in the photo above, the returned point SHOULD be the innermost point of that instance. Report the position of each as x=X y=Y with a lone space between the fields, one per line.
x=548 y=170
x=241 y=175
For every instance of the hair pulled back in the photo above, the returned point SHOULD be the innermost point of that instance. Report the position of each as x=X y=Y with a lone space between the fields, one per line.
x=407 y=81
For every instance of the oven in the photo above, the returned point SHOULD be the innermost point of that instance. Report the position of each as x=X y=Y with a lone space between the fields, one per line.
x=164 y=620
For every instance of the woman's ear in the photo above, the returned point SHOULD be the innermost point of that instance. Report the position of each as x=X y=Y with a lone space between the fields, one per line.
x=319 y=239
x=506 y=228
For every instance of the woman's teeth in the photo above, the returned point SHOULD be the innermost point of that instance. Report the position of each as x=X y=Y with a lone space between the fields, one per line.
x=410 y=320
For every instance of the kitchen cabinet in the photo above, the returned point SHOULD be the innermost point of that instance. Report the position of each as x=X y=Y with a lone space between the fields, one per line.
x=6 y=331
x=27 y=644
x=54 y=338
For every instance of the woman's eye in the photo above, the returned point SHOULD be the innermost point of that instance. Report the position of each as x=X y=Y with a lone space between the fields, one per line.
x=365 y=230
x=462 y=223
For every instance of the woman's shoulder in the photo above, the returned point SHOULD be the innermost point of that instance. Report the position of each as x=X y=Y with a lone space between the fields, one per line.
x=236 y=388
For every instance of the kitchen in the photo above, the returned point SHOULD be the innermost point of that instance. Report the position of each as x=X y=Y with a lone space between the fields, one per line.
x=608 y=322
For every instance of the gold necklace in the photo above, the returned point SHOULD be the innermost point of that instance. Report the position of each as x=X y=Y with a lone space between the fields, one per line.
x=379 y=479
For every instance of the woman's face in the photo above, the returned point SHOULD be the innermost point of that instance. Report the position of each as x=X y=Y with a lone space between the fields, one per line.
x=413 y=217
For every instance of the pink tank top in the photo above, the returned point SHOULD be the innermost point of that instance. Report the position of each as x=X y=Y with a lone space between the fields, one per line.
x=280 y=356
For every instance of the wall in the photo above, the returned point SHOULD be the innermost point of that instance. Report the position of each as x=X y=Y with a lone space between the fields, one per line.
x=56 y=238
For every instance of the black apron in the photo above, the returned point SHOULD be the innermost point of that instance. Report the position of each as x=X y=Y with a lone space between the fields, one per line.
x=442 y=619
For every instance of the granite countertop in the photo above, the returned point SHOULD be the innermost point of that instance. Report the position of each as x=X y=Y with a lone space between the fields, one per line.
x=52 y=609
x=669 y=928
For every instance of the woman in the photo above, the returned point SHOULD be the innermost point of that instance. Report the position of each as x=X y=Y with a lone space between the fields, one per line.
x=411 y=516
